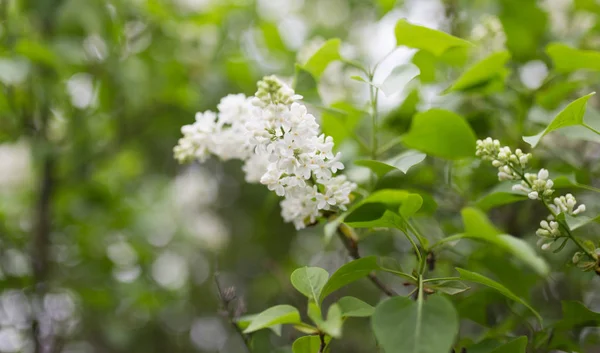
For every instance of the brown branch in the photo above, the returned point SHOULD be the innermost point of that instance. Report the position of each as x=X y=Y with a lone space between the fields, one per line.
x=227 y=296
x=323 y=343
x=350 y=242
x=41 y=245
x=40 y=251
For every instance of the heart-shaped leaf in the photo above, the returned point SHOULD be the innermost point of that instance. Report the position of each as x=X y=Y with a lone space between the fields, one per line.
x=309 y=281
x=402 y=325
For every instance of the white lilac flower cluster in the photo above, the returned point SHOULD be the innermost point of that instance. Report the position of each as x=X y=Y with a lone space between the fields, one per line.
x=281 y=145
x=507 y=162
x=537 y=186
x=222 y=134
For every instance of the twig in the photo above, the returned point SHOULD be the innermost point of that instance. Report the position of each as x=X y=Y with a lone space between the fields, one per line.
x=41 y=243
x=323 y=344
x=40 y=250
x=226 y=297
x=349 y=241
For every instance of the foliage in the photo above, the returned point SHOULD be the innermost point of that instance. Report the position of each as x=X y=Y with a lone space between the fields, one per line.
x=405 y=238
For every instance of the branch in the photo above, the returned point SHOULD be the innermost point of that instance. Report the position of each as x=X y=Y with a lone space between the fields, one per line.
x=323 y=343
x=41 y=233
x=349 y=240
x=226 y=297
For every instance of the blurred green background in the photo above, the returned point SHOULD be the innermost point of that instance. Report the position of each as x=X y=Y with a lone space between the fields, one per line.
x=107 y=245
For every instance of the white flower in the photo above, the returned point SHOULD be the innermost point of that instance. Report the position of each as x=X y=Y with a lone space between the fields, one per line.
x=487 y=149
x=566 y=204
x=548 y=229
x=197 y=140
x=536 y=186
x=222 y=134
x=300 y=157
x=502 y=158
x=281 y=145
x=255 y=167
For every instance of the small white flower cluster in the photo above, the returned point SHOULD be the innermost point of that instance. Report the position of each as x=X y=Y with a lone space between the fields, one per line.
x=548 y=229
x=222 y=134
x=301 y=160
x=281 y=145
x=537 y=186
x=502 y=158
x=566 y=204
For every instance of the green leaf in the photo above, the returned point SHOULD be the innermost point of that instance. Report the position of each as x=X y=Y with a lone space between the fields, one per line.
x=524 y=24
x=398 y=79
x=567 y=59
x=385 y=6
x=479 y=76
x=501 y=194
x=579 y=221
x=411 y=205
x=244 y=321
x=402 y=325
x=333 y=325
x=381 y=209
x=575 y=314
x=477 y=278
x=477 y=223
x=306 y=85
x=426 y=62
x=340 y=120
x=478 y=227
x=348 y=273
x=373 y=215
x=406 y=160
x=431 y=40
x=402 y=162
x=354 y=307
x=37 y=52
x=277 y=315
x=315 y=314
x=309 y=281
x=485 y=346
x=271 y=37
x=518 y=345
x=309 y=344
x=379 y=168
x=449 y=287
x=441 y=133
x=329 y=52
x=571 y=115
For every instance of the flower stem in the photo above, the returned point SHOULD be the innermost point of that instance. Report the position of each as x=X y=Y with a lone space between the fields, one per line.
x=439 y=279
x=415 y=248
x=374 y=121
